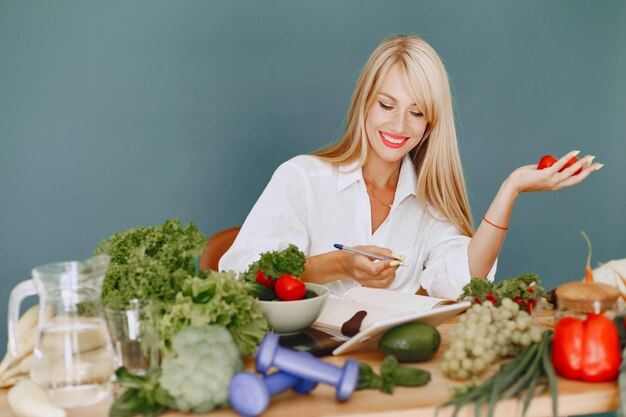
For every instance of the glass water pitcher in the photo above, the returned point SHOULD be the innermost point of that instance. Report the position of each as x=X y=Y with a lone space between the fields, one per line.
x=73 y=357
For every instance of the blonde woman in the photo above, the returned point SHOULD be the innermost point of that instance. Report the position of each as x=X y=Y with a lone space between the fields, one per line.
x=392 y=184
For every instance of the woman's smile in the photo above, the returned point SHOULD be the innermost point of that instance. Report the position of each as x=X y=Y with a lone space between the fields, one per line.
x=393 y=141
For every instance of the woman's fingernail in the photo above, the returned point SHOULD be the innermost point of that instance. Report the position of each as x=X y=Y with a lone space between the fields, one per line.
x=599 y=166
x=394 y=263
x=398 y=256
x=575 y=153
x=590 y=159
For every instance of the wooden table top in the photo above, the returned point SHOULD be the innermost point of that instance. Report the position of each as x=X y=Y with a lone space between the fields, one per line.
x=575 y=397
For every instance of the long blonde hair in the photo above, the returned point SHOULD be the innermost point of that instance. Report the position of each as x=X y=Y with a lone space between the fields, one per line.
x=436 y=159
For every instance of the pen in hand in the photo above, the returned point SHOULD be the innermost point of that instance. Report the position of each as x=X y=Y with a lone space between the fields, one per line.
x=369 y=255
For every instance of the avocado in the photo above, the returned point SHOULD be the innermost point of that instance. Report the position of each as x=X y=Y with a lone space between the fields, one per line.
x=411 y=342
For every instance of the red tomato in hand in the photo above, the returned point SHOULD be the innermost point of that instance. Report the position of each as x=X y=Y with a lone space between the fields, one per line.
x=289 y=288
x=546 y=161
x=263 y=280
x=571 y=162
x=549 y=160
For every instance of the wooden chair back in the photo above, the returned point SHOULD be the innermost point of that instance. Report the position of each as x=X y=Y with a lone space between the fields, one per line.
x=216 y=246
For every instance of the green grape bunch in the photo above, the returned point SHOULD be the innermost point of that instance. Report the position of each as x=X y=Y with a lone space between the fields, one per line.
x=484 y=335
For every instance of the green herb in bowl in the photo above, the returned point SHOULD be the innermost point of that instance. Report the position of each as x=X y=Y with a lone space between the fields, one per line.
x=276 y=276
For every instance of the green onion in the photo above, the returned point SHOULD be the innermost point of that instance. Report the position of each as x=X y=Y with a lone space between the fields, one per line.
x=531 y=370
x=546 y=360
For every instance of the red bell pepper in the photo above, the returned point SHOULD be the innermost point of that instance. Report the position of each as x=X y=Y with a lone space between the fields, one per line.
x=586 y=350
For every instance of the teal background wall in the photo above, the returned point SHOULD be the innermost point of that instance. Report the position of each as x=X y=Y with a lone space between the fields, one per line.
x=122 y=113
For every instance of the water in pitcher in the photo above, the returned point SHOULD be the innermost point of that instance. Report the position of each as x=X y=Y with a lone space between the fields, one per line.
x=74 y=360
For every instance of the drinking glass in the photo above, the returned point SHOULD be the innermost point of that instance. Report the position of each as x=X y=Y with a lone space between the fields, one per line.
x=134 y=334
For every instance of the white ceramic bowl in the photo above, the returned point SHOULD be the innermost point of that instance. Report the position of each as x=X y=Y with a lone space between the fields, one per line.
x=289 y=317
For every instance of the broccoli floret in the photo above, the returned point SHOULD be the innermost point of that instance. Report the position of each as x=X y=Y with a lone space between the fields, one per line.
x=198 y=374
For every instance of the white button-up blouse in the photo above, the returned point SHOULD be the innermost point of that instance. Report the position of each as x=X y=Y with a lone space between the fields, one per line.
x=314 y=205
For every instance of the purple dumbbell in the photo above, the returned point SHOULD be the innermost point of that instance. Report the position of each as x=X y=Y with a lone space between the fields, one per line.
x=307 y=366
x=249 y=394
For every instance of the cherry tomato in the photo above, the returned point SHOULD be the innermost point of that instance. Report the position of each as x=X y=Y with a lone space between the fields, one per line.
x=289 y=288
x=549 y=160
x=263 y=280
x=546 y=162
x=571 y=162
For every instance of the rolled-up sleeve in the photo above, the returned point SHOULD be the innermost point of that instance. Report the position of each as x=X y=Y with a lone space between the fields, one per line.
x=278 y=218
x=446 y=267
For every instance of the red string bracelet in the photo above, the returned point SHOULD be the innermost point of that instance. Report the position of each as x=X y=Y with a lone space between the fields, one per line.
x=495 y=225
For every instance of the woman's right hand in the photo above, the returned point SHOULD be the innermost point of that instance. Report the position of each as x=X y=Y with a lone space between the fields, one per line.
x=368 y=272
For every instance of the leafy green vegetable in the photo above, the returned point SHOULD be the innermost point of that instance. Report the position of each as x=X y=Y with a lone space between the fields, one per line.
x=477 y=288
x=519 y=289
x=215 y=298
x=391 y=374
x=276 y=263
x=149 y=263
x=143 y=395
x=512 y=288
x=199 y=372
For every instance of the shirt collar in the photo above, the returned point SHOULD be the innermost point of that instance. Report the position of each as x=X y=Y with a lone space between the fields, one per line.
x=348 y=175
x=407 y=181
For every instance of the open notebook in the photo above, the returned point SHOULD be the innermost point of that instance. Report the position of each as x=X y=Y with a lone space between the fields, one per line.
x=385 y=309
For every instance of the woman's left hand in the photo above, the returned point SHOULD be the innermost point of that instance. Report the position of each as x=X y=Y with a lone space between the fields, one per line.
x=487 y=241
x=529 y=178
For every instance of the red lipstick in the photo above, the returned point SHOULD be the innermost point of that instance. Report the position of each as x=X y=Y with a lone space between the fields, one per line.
x=398 y=141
